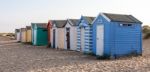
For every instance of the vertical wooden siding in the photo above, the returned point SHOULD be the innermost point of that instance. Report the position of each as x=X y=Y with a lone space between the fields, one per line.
x=61 y=38
x=29 y=35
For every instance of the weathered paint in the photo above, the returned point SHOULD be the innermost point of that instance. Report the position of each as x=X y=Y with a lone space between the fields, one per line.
x=118 y=40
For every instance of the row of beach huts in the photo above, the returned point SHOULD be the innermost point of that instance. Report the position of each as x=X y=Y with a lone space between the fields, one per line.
x=107 y=35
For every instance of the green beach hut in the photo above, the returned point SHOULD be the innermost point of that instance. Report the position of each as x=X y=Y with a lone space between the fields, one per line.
x=39 y=34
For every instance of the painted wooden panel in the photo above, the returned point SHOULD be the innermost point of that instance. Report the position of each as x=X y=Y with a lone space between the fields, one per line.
x=118 y=40
x=23 y=36
x=88 y=39
x=18 y=37
x=29 y=36
x=39 y=34
x=42 y=36
x=35 y=37
x=84 y=35
x=73 y=37
x=60 y=36
x=49 y=27
x=100 y=40
x=54 y=44
x=82 y=39
x=51 y=32
x=65 y=36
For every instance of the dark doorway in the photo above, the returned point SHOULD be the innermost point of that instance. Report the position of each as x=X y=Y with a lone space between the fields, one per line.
x=54 y=38
x=68 y=38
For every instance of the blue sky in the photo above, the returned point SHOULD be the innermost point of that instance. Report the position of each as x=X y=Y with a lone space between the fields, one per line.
x=20 y=13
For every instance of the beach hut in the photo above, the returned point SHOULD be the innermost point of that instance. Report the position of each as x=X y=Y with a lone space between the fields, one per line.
x=28 y=34
x=39 y=34
x=23 y=35
x=84 y=34
x=71 y=34
x=17 y=35
x=57 y=33
x=49 y=28
x=116 y=35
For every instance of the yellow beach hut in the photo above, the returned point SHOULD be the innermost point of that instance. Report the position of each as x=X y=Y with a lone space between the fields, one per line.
x=23 y=35
x=28 y=34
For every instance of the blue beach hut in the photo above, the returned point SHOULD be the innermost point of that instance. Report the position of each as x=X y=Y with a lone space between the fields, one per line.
x=84 y=34
x=116 y=35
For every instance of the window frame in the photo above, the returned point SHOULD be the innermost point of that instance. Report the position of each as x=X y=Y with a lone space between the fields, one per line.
x=126 y=25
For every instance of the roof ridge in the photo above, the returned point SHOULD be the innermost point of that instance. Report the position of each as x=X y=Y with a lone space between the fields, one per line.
x=121 y=18
x=115 y=14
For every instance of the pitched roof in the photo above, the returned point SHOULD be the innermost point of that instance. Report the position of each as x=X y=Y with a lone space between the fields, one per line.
x=40 y=25
x=17 y=30
x=122 y=18
x=89 y=19
x=28 y=27
x=49 y=24
x=74 y=21
x=59 y=23
x=23 y=29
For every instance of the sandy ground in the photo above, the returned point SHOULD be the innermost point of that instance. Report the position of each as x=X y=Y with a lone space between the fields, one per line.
x=146 y=47
x=16 y=57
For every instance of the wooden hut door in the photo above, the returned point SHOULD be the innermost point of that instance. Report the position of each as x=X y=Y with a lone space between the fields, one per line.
x=100 y=40
x=68 y=38
x=54 y=32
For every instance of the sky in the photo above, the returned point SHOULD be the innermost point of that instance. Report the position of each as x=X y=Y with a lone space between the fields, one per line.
x=21 y=13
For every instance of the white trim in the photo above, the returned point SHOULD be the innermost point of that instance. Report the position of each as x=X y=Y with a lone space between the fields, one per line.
x=70 y=22
x=103 y=15
x=68 y=25
x=95 y=19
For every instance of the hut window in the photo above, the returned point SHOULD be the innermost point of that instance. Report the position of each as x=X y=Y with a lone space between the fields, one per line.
x=125 y=25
